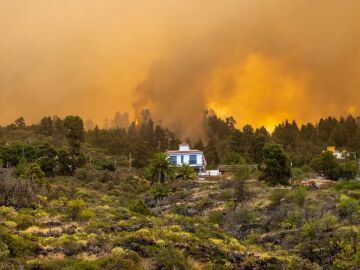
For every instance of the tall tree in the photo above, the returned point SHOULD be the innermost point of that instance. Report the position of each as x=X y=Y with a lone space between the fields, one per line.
x=74 y=132
x=46 y=126
x=276 y=166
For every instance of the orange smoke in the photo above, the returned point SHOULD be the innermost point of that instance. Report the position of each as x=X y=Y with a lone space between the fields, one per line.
x=260 y=61
x=250 y=90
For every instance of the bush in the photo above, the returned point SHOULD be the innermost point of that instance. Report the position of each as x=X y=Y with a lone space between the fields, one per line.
x=232 y=158
x=87 y=214
x=244 y=216
x=277 y=196
x=81 y=174
x=17 y=192
x=298 y=195
x=276 y=166
x=138 y=206
x=74 y=208
x=348 y=208
x=25 y=219
x=349 y=169
x=4 y=250
x=297 y=173
x=169 y=258
x=348 y=257
x=216 y=217
x=185 y=172
x=327 y=165
x=347 y=185
x=159 y=191
x=20 y=246
x=328 y=222
x=104 y=164
x=293 y=219
x=21 y=168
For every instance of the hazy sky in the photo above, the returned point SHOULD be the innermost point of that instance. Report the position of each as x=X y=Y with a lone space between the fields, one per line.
x=259 y=60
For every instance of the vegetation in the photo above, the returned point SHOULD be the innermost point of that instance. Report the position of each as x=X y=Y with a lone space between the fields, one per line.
x=160 y=168
x=241 y=190
x=110 y=199
x=276 y=167
x=185 y=172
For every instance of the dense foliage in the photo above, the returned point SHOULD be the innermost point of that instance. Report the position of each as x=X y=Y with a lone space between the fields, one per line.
x=276 y=167
x=111 y=199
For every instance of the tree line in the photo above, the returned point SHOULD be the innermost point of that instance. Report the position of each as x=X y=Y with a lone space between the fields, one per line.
x=55 y=143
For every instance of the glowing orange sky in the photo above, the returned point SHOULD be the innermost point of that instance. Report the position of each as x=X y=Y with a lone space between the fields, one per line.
x=260 y=61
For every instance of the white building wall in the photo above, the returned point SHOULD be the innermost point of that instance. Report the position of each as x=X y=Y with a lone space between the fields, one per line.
x=186 y=159
x=184 y=147
x=199 y=159
x=178 y=159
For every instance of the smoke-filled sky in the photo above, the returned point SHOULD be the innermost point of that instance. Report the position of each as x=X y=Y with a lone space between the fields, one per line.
x=258 y=60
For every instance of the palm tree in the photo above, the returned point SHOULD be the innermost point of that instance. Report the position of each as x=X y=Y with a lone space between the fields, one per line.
x=185 y=172
x=160 y=168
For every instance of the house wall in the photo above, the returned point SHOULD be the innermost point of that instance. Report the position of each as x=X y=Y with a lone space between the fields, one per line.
x=186 y=158
x=199 y=159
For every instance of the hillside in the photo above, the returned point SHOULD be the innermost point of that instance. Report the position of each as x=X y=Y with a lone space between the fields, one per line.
x=107 y=220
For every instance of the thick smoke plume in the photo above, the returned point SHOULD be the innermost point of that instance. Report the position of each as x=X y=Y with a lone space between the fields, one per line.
x=263 y=63
x=260 y=61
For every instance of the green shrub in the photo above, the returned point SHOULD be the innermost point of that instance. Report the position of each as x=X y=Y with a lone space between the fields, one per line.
x=298 y=195
x=185 y=172
x=225 y=195
x=138 y=206
x=293 y=219
x=278 y=195
x=354 y=194
x=232 y=158
x=4 y=250
x=81 y=174
x=216 y=217
x=328 y=222
x=74 y=208
x=20 y=246
x=87 y=214
x=21 y=168
x=25 y=220
x=297 y=173
x=159 y=191
x=348 y=208
x=71 y=247
x=169 y=258
x=204 y=203
x=244 y=216
x=349 y=255
x=347 y=185
x=105 y=164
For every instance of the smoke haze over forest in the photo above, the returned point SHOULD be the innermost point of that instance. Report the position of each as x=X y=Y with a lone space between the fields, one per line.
x=260 y=61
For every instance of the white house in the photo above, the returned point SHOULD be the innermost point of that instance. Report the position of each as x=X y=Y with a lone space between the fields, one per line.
x=191 y=157
x=340 y=154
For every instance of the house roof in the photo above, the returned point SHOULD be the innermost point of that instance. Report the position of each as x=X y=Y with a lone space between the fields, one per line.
x=184 y=152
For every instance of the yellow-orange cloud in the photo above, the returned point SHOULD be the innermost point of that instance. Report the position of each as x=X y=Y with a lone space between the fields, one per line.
x=261 y=61
x=259 y=85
